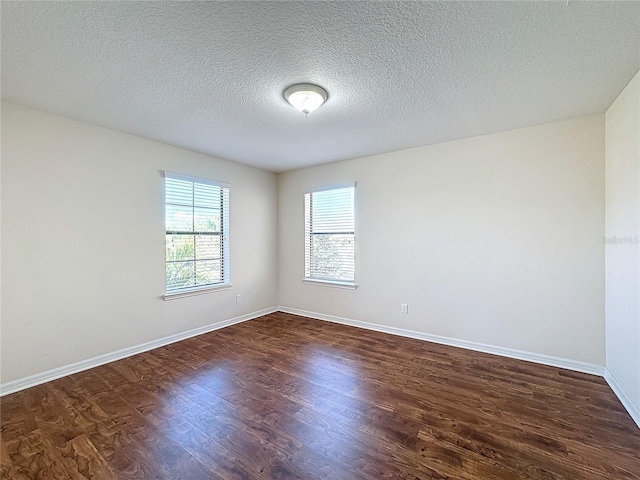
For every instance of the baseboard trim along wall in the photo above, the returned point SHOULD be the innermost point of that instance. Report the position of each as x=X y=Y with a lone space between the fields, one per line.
x=583 y=367
x=49 y=375
x=632 y=408
x=454 y=342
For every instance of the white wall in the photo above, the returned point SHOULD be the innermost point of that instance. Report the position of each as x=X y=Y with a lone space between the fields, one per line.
x=495 y=239
x=83 y=241
x=622 y=126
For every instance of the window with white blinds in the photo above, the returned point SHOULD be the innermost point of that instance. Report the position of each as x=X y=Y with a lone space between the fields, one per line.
x=330 y=235
x=197 y=233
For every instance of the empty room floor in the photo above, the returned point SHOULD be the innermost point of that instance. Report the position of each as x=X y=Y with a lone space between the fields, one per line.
x=284 y=396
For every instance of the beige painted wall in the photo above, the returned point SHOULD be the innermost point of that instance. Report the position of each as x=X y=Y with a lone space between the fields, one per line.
x=83 y=241
x=495 y=239
x=622 y=126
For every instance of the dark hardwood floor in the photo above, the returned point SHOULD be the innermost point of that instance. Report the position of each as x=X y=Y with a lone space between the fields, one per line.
x=288 y=397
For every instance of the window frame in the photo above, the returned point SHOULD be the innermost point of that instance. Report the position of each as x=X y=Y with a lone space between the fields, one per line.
x=224 y=235
x=308 y=235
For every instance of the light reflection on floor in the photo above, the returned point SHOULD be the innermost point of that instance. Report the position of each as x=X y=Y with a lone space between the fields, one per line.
x=324 y=367
x=326 y=417
x=200 y=402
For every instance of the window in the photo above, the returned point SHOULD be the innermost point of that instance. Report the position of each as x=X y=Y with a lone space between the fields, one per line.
x=197 y=234
x=330 y=236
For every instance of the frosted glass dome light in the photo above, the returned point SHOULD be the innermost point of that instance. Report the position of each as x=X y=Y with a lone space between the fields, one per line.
x=305 y=97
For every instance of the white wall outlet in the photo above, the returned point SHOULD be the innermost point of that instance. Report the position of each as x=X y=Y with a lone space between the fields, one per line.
x=404 y=308
x=238 y=298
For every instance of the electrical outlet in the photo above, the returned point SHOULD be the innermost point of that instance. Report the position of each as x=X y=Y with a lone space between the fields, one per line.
x=404 y=308
x=238 y=298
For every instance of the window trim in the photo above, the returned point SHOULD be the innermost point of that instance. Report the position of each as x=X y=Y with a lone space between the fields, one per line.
x=191 y=178
x=330 y=283
x=333 y=186
x=327 y=282
x=224 y=235
x=197 y=291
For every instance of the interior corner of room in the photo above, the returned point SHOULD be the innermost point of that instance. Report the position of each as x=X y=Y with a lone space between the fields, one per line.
x=496 y=241
x=521 y=243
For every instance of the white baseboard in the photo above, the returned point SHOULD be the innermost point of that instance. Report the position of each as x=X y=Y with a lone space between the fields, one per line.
x=49 y=375
x=625 y=399
x=37 y=379
x=454 y=342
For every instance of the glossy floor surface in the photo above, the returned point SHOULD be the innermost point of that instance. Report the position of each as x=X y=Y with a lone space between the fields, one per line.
x=288 y=397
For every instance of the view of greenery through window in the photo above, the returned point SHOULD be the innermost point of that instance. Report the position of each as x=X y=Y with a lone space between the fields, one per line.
x=332 y=257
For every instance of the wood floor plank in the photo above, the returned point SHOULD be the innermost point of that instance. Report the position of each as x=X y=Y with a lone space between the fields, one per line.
x=82 y=460
x=288 y=397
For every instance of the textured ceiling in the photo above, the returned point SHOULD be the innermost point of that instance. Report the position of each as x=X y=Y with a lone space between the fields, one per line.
x=209 y=76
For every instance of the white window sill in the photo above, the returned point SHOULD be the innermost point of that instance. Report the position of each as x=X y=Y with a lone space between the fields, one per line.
x=330 y=283
x=197 y=291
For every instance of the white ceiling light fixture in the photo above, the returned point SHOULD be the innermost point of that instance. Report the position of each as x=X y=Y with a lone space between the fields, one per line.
x=305 y=97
